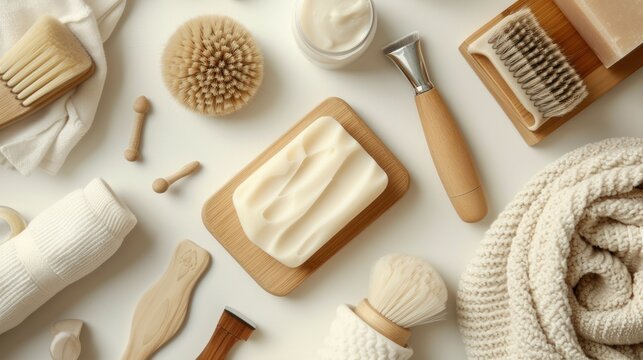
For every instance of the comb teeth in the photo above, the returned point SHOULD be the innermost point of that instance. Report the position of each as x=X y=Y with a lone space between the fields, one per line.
x=47 y=58
x=538 y=65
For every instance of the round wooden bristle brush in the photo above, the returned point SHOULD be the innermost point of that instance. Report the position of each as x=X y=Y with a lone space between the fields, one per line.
x=213 y=65
x=405 y=291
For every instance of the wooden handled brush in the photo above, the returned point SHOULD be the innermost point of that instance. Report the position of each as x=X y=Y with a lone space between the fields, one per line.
x=404 y=292
x=43 y=65
x=231 y=328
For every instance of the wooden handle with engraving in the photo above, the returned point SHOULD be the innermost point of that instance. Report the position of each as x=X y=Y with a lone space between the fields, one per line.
x=451 y=157
x=162 y=309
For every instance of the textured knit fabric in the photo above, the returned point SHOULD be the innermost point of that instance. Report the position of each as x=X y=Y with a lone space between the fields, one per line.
x=45 y=138
x=61 y=245
x=559 y=273
x=352 y=339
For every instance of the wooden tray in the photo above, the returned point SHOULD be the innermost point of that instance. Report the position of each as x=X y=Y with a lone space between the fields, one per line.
x=598 y=79
x=220 y=217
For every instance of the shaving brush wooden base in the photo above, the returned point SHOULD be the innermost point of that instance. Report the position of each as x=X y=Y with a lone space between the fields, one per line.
x=381 y=324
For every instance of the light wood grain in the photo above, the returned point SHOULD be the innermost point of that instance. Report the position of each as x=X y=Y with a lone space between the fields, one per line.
x=597 y=77
x=161 y=185
x=141 y=107
x=229 y=330
x=161 y=311
x=381 y=324
x=12 y=110
x=62 y=44
x=451 y=157
x=221 y=220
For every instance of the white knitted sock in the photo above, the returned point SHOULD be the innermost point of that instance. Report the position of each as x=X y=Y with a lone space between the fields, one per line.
x=61 y=245
x=350 y=338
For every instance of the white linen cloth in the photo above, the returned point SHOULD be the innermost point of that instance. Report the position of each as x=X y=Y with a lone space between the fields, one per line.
x=44 y=139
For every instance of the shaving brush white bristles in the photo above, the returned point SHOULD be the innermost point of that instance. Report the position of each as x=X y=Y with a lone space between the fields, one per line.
x=407 y=290
x=212 y=65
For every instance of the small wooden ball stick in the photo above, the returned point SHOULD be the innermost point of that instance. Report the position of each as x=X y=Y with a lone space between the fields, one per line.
x=161 y=185
x=231 y=328
x=141 y=107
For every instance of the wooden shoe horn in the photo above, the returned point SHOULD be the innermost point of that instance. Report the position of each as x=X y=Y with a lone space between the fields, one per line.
x=161 y=311
x=448 y=148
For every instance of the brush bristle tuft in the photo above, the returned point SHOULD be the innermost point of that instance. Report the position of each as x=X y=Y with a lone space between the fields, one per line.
x=213 y=65
x=46 y=58
x=538 y=65
x=407 y=290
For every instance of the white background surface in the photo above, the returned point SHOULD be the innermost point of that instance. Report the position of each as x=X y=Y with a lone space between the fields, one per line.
x=422 y=223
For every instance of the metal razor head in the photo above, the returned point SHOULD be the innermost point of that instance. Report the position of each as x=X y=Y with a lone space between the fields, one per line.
x=406 y=54
x=241 y=317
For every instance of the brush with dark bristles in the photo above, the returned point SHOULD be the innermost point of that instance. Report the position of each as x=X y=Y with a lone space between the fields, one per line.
x=532 y=64
x=44 y=64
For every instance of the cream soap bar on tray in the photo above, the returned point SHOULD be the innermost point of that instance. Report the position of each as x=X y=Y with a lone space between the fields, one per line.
x=612 y=28
x=307 y=192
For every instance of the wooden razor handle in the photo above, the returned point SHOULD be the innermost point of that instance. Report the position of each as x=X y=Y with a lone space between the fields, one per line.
x=230 y=329
x=162 y=309
x=451 y=157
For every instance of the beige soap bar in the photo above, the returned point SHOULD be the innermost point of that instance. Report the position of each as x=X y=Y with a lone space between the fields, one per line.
x=301 y=197
x=612 y=28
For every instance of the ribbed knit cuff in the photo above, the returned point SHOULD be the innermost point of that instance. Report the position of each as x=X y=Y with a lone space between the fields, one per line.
x=114 y=214
x=351 y=338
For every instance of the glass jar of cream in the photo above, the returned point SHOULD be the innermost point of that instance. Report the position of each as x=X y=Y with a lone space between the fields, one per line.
x=333 y=33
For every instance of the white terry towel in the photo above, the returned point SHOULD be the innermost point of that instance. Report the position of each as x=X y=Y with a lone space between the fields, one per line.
x=45 y=138
x=61 y=245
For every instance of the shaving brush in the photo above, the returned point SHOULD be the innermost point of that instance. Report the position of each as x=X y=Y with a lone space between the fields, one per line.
x=212 y=65
x=405 y=291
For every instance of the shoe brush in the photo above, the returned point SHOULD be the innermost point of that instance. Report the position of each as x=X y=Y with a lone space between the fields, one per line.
x=533 y=66
x=213 y=65
x=44 y=64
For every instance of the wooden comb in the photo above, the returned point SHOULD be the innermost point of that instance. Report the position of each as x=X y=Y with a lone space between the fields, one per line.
x=231 y=328
x=44 y=64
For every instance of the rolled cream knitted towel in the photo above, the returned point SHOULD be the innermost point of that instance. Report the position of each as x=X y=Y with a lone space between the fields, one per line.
x=559 y=273
x=61 y=245
x=350 y=338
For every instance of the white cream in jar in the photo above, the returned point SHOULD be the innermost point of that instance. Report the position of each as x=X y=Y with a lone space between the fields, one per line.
x=333 y=33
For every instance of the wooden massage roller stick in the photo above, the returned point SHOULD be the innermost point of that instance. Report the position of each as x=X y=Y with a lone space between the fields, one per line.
x=141 y=107
x=161 y=185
